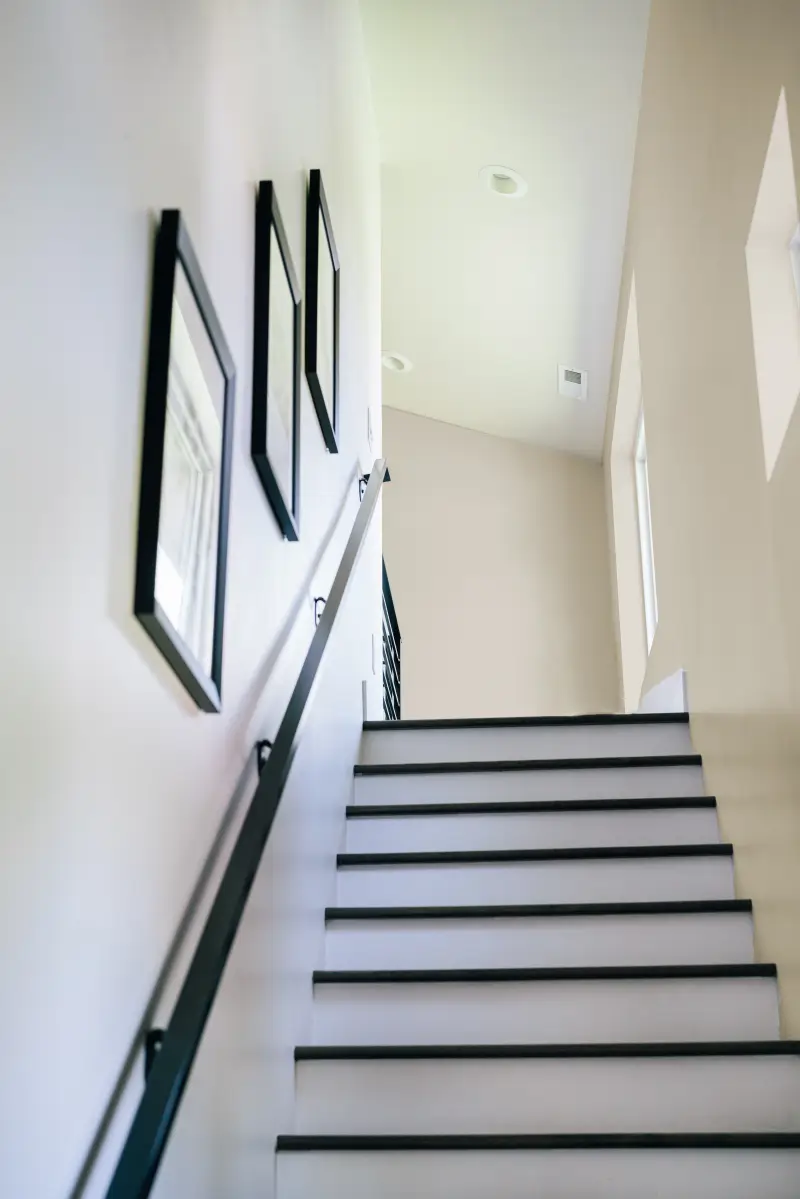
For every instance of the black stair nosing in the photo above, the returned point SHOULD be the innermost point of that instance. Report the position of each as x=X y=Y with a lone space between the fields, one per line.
x=536 y=806
x=508 y=764
x=541 y=1051
x=525 y=722
x=724 y=971
x=590 y=853
x=677 y=907
x=494 y=1142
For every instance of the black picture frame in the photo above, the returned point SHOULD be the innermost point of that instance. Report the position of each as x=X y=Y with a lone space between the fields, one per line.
x=173 y=248
x=327 y=407
x=268 y=218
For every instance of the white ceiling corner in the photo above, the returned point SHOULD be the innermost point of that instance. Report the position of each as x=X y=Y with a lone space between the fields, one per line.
x=487 y=295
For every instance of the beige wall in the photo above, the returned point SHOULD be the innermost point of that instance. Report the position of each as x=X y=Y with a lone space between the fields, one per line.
x=112 y=785
x=727 y=550
x=497 y=558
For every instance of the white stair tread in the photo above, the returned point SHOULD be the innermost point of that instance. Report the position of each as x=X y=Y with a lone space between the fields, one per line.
x=544 y=941
x=758 y=1173
x=737 y=1093
x=526 y=908
x=479 y=741
x=507 y=830
x=687 y=1009
x=557 y=881
x=605 y=782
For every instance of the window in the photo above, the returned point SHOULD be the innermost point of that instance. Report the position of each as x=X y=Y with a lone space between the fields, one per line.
x=794 y=254
x=772 y=256
x=646 y=535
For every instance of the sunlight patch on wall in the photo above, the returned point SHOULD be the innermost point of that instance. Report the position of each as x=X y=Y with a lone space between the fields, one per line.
x=774 y=308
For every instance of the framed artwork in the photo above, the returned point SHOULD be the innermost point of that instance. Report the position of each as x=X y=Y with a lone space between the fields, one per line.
x=275 y=428
x=322 y=312
x=186 y=470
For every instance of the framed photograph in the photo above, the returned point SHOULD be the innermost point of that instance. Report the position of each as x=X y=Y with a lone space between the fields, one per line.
x=275 y=428
x=186 y=470
x=322 y=312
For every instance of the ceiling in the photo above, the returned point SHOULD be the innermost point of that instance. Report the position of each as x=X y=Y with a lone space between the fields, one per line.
x=487 y=295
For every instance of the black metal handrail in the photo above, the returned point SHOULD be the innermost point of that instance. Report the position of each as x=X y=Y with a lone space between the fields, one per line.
x=391 y=640
x=147 y=1139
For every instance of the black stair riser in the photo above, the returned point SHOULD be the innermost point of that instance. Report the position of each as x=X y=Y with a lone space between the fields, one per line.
x=531 y=722
x=573 y=974
x=530 y=764
x=679 y=907
x=549 y=1141
x=592 y=853
x=582 y=1051
x=537 y=807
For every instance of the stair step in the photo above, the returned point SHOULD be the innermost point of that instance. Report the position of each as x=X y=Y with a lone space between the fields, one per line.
x=504 y=826
x=575 y=1050
x=656 y=1166
x=579 y=720
x=654 y=777
x=542 y=737
x=554 y=935
x=546 y=974
x=508 y=1142
x=719 y=1092
x=501 y=911
x=489 y=766
x=588 y=875
x=697 y=1003
x=540 y=915
x=512 y=807
x=592 y=853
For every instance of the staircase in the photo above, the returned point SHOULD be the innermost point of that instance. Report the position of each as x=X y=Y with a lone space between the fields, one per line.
x=538 y=981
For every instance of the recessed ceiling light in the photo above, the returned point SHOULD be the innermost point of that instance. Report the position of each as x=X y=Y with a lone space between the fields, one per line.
x=504 y=182
x=396 y=362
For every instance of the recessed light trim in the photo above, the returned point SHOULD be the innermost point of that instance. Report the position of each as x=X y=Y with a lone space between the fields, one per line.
x=503 y=181
x=396 y=362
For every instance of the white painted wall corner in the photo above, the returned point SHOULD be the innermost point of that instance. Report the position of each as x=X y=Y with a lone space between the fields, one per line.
x=669 y=695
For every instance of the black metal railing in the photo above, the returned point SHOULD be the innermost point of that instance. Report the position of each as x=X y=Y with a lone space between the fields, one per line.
x=147 y=1139
x=391 y=654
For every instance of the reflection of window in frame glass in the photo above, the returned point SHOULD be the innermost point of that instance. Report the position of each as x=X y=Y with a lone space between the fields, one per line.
x=645 y=534
x=185 y=559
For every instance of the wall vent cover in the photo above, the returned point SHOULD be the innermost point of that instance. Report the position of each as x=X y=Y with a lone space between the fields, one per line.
x=572 y=383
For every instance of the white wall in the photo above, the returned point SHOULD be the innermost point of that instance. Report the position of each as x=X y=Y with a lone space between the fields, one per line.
x=113 y=786
x=725 y=520
x=497 y=558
